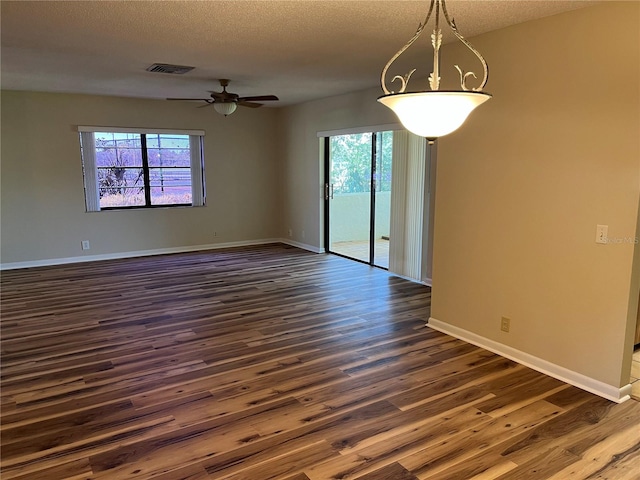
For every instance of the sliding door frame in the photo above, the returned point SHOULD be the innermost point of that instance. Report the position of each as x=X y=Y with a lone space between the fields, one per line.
x=372 y=208
x=328 y=194
x=327 y=178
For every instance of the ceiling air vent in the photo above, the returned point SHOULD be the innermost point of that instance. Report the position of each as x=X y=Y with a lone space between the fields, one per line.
x=167 y=68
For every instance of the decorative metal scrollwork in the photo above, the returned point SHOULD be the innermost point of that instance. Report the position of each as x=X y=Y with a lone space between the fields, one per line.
x=436 y=42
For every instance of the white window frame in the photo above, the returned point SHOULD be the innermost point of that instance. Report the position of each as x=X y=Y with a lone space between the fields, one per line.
x=91 y=186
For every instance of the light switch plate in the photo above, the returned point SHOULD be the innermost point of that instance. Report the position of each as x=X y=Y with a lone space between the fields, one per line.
x=602 y=232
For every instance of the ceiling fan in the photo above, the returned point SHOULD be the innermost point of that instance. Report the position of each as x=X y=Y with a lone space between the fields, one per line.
x=226 y=103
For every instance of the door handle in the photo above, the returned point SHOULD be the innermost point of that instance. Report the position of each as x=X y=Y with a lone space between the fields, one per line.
x=328 y=191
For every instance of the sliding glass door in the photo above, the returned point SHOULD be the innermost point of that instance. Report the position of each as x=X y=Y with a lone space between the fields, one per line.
x=358 y=195
x=382 y=191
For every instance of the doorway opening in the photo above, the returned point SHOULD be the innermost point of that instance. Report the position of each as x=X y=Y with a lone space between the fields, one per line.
x=358 y=179
x=379 y=198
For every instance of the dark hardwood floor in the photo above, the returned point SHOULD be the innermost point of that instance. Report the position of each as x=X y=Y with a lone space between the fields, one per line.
x=275 y=363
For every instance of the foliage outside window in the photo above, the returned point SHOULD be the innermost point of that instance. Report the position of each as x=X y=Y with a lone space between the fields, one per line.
x=351 y=162
x=127 y=169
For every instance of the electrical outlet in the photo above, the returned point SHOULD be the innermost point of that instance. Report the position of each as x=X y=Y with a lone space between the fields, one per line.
x=290 y=233
x=505 y=324
x=85 y=245
x=215 y=234
x=302 y=234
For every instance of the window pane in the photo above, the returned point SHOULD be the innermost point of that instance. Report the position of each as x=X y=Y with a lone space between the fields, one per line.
x=165 y=157
x=170 y=177
x=118 y=149
x=351 y=163
x=157 y=140
x=168 y=150
x=118 y=157
x=170 y=195
x=113 y=139
x=116 y=177
x=122 y=197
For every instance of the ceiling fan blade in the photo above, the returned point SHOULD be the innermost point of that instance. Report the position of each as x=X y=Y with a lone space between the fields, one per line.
x=191 y=99
x=259 y=98
x=208 y=104
x=228 y=97
x=249 y=104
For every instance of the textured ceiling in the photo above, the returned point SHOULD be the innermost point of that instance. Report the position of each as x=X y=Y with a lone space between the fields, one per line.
x=299 y=50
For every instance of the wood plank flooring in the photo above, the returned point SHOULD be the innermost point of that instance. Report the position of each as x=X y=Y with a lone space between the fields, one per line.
x=271 y=362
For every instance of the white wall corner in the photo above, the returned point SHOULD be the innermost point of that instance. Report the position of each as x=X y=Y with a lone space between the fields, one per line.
x=591 y=385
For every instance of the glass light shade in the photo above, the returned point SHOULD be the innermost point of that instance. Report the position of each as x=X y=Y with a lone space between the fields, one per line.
x=433 y=114
x=225 y=108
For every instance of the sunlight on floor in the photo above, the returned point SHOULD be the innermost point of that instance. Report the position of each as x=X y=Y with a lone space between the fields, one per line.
x=360 y=251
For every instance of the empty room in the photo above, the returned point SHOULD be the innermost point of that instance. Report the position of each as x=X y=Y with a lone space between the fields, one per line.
x=313 y=240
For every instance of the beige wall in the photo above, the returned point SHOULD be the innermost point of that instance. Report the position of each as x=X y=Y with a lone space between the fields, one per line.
x=300 y=152
x=43 y=213
x=521 y=188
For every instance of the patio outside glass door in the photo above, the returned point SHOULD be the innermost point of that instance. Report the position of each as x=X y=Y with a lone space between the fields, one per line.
x=358 y=193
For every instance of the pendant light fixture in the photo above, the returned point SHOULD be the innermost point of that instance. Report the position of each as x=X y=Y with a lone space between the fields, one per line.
x=434 y=113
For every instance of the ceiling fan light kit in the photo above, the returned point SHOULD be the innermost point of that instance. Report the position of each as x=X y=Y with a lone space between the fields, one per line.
x=434 y=113
x=225 y=103
x=225 y=108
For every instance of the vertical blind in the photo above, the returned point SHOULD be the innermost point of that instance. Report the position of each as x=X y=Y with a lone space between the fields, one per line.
x=407 y=243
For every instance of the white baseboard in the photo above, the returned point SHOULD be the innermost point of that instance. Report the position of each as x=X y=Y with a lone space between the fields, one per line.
x=610 y=392
x=404 y=277
x=303 y=246
x=144 y=253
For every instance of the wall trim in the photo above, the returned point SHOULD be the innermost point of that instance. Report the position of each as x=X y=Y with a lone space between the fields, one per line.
x=47 y=262
x=591 y=385
x=303 y=246
x=404 y=277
